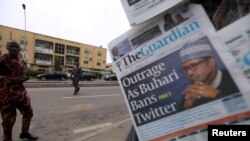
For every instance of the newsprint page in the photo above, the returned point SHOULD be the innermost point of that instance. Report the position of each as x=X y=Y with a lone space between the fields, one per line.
x=177 y=79
x=236 y=37
x=138 y=11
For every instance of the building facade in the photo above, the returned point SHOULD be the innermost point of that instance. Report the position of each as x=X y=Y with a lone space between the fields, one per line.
x=42 y=51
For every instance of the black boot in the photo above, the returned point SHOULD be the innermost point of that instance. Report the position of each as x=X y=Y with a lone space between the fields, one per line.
x=28 y=136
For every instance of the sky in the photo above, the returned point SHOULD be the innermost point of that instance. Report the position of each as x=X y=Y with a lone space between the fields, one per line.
x=93 y=22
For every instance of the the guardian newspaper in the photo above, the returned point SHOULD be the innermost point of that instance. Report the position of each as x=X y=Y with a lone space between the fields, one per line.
x=138 y=11
x=176 y=77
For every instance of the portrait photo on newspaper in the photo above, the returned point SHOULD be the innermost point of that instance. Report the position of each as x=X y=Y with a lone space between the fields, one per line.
x=209 y=79
x=120 y=49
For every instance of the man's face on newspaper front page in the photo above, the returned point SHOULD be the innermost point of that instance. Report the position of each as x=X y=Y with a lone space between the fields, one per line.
x=200 y=69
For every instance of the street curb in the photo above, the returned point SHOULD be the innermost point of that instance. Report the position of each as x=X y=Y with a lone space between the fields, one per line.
x=65 y=84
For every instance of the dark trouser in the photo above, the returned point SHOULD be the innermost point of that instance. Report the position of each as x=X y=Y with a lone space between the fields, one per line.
x=76 y=84
x=8 y=113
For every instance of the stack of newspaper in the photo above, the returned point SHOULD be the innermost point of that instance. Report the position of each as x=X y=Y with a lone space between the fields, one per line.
x=181 y=69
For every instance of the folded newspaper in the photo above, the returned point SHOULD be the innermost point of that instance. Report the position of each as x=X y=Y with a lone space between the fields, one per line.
x=177 y=77
x=138 y=11
x=237 y=40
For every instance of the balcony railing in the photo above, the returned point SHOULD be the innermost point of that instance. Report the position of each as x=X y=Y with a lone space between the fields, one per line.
x=70 y=63
x=43 y=50
x=72 y=52
x=42 y=62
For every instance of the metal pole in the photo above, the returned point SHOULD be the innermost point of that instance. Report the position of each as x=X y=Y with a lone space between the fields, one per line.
x=25 y=57
x=24 y=7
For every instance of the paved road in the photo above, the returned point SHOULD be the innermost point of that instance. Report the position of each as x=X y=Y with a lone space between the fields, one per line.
x=60 y=116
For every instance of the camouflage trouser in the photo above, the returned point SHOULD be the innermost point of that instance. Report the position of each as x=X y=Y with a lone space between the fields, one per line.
x=8 y=113
x=76 y=84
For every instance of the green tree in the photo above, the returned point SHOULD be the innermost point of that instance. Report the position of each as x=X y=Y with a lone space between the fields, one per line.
x=57 y=64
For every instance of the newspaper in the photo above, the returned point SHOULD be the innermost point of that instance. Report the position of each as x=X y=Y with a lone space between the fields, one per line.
x=237 y=40
x=142 y=41
x=138 y=11
x=165 y=101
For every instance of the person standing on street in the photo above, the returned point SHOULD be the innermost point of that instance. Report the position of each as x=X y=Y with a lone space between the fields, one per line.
x=13 y=94
x=76 y=76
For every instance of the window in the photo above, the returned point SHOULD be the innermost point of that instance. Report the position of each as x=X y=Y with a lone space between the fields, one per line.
x=72 y=60
x=43 y=57
x=44 y=44
x=99 y=54
x=86 y=51
x=23 y=41
x=59 y=48
x=98 y=64
x=73 y=50
x=86 y=62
